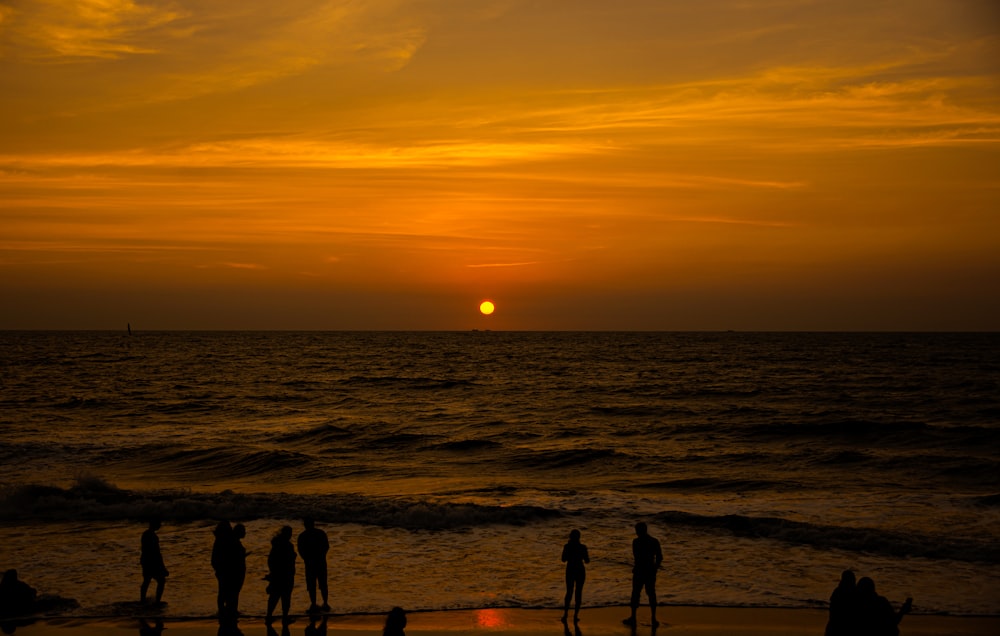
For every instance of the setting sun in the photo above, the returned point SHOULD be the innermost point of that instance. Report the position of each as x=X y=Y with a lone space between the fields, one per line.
x=486 y=307
x=755 y=165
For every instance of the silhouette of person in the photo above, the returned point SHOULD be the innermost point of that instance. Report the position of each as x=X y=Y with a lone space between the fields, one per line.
x=17 y=598
x=647 y=556
x=229 y=559
x=574 y=555
x=281 y=574
x=151 y=560
x=313 y=546
x=236 y=570
x=843 y=607
x=395 y=622
x=875 y=616
x=221 y=548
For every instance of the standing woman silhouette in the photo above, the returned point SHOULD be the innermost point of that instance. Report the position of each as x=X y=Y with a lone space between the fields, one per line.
x=281 y=574
x=151 y=560
x=221 y=551
x=574 y=555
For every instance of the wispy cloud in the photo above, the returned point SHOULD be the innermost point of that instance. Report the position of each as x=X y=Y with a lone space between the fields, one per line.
x=200 y=48
x=252 y=266
x=733 y=221
x=276 y=43
x=521 y=264
x=51 y=29
x=277 y=152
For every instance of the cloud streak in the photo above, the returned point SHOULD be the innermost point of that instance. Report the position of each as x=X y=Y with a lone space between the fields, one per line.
x=452 y=148
x=50 y=30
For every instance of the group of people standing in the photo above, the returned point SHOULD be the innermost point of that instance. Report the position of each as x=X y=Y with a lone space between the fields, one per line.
x=855 y=608
x=230 y=566
x=229 y=562
x=647 y=556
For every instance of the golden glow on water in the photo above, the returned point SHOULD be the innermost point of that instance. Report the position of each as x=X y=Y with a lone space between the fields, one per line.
x=492 y=618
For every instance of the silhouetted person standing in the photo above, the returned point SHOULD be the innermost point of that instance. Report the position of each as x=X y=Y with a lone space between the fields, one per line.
x=395 y=622
x=151 y=560
x=313 y=546
x=281 y=574
x=875 y=616
x=229 y=558
x=221 y=549
x=574 y=555
x=843 y=607
x=648 y=556
x=237 y=570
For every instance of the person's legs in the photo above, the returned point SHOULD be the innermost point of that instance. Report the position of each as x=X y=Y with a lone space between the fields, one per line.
x=651 y=593
x=322 y=584
x=579 y=596
x=160 y=582
x=234 y=596
x=144 y=588
x=569 y=595
x=231 y=598
x=311 y=585
x=286 y=604
x=634 y=600
x=220 y=597
x=272 y=602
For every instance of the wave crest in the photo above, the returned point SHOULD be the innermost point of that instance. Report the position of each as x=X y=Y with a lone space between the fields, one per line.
x=895 y=544
x=93 y=499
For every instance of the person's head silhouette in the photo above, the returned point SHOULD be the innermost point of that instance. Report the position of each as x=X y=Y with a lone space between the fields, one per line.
x=866 y=587
x=847 y=578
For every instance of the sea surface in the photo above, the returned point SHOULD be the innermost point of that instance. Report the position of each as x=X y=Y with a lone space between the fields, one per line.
x=448 y=468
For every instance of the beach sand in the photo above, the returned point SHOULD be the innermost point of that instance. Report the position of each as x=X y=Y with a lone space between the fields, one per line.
x=675 y=621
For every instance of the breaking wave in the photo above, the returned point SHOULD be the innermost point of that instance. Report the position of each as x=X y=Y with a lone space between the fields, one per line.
x=93 y=499
x=895 y=544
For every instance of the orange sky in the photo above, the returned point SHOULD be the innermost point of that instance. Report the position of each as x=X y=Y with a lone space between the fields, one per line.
x=650 y=164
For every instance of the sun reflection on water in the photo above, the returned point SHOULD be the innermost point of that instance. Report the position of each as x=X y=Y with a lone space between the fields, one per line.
x=491 y=619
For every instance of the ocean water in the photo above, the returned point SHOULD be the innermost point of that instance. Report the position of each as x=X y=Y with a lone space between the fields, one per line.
x=449 y=468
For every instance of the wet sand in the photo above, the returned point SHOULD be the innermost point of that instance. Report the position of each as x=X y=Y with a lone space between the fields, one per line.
x=675 y=621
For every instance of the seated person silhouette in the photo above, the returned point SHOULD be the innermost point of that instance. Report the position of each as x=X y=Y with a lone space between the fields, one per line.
x=875 y=616
x=843 y=606
x=17 y=598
